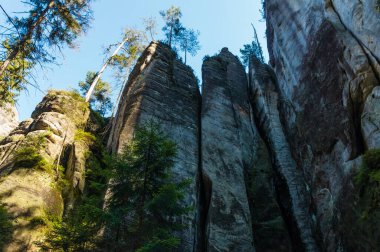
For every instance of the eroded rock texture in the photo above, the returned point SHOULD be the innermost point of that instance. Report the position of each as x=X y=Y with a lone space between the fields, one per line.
x=228 y=151
x=163 y=89
x=8 y=119
x=29 y=159
x=326 y=57
x=293 y=196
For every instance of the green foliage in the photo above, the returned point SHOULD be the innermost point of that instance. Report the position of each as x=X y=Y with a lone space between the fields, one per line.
x=29 y=156
x=263 y=9
x=144 y=200
x=173 y=26
x=78 y=231
x=5 y=227
x=189 y=42
x=366 y=211
x=46 y=26
x=252 y=50
x=13 y=79
x=177 y=35
x=126 y=58
x=377 y=7
x=87 y=137
x=101 y=98
x=150 y=27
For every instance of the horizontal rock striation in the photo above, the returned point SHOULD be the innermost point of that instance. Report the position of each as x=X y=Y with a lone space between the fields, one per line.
x=161 y=88
x=228 y=150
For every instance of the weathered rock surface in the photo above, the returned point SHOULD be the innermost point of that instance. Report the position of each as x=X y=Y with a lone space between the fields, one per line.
x=270 y=232
x=163 y=89
x=29 y=159
x=8 y=119
x=326 y=57
x=228 y=149
x=293 y=196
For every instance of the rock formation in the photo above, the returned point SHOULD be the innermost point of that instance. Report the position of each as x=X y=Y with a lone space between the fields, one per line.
x=8 y=119
x=326 y=58
x=271 y=158
x=228 y=148
x=29 y=170
x=161 y=88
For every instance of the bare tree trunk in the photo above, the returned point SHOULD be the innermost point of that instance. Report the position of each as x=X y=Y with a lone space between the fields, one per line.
x=25 y=38
x=258 y=44
x=95 y=81
x=185 y=50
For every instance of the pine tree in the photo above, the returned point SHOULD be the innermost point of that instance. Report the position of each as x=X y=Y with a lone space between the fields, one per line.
x=253 y=49
x=173 y=26
x=14 y=77
x=189 y=42
x=123 y=57
x=101 y=98
x=49 y=24
x=150 y=27
x=144 y=200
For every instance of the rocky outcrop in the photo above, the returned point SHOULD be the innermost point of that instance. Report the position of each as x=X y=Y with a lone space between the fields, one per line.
x=8 y=119
x=228 y=150
x=293 y=195
x=326 y=57
x=30 y=177
x=163 y=89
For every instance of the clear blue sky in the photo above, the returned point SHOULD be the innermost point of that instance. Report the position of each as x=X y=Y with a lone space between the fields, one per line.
x=222 y=23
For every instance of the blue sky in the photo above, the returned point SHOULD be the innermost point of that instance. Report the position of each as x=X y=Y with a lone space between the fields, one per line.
x=222 y=23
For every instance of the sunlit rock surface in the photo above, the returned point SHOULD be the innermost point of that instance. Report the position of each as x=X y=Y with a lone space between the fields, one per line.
x=29 y=159
x=8 y=119
x=163 y=89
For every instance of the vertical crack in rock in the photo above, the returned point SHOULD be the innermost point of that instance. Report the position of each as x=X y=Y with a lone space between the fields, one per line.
x=227 y=144
x=293 y=196
x=163 y=89
x=29 y=188
x=326 y=57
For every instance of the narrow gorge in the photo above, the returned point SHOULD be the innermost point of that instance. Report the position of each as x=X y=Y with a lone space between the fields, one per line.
x=272 y=151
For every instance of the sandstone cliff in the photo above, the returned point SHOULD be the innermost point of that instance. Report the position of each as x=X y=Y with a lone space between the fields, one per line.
x=31 y=176
x=326 y=57
x=8 y=119
x=163 y=89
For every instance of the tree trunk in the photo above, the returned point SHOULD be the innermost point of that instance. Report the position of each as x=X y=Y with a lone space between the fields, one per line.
x=25 y=38
x=95 y=81
x=171 y=33
x=185 y=50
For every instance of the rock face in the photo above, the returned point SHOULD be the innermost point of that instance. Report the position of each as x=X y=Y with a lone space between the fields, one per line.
x=292 y=192
x=29 y=156
x=326 y=57
x=163 y=89
x=228 y=139
x=8 y=119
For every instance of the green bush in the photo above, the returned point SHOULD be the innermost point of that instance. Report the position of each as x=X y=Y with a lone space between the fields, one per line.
x=29 y=157
x=362 y=227
x=5 y=227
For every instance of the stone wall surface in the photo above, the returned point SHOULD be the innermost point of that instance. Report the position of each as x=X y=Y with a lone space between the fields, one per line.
x=8 y=119
x=326 y=58
x=163 y=89
x=229 y=140
x=29 y=172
